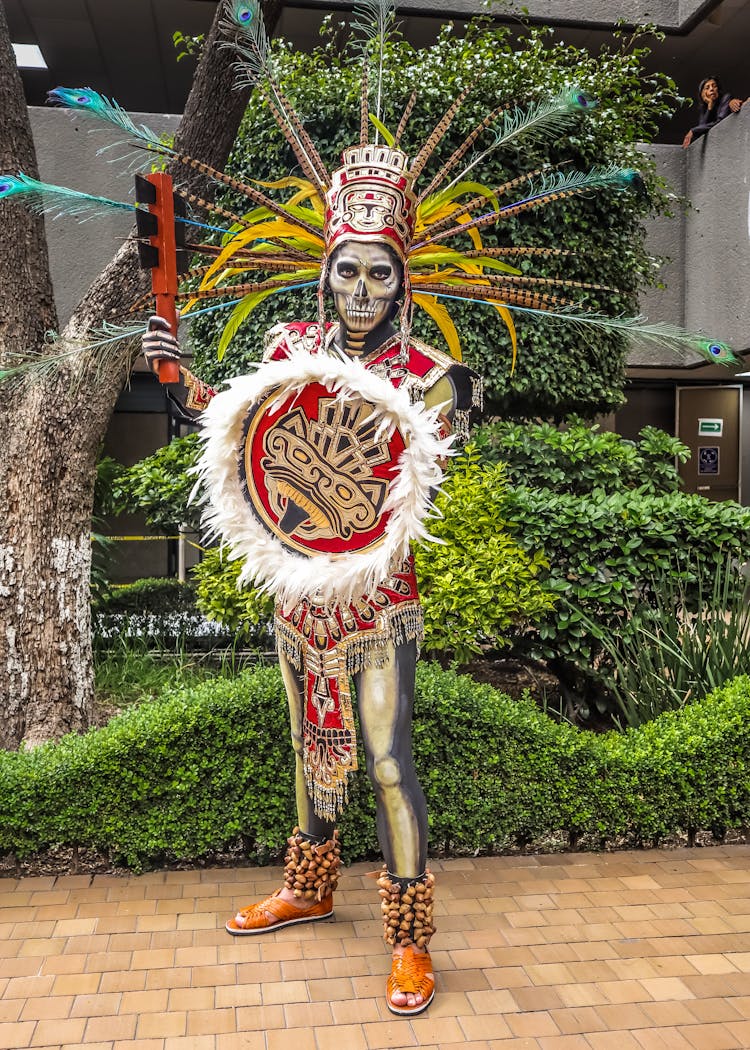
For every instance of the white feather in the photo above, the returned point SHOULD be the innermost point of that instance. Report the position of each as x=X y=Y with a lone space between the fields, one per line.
x=268 y=564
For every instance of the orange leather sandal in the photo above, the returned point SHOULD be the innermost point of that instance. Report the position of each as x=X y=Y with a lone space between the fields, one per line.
x=411 y=973
x=255 y=918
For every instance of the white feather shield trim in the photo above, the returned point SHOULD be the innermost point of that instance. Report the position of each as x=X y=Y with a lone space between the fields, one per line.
x=268 y=564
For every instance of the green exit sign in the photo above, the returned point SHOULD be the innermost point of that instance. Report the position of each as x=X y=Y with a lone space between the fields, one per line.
x=711 y=426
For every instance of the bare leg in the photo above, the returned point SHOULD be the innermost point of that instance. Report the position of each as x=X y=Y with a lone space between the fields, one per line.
x=385 y=699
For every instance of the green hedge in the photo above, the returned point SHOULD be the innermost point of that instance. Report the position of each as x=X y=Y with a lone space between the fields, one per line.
x=606 y=551
x=155 y=595
x=581 y=457
x=202 y=768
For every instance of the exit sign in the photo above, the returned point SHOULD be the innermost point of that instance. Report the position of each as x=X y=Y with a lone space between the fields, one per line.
x=711 y=426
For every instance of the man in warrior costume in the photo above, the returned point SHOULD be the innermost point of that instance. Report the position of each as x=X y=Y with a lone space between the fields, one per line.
x=338 y=436
x=376 y=637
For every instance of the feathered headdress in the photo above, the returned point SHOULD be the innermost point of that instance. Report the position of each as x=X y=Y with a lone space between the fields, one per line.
x=375 y=195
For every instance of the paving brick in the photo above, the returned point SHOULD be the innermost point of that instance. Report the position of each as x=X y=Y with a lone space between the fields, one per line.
x=293 y=1040
x=75 y=983
x=285 y=992
x=44 y=1008
x=612 y=1041
x=190 y=1042
x=492 y=1026
x=122 y=980
x=242 y=1041
x=711 y=1037
x=308 y=1015
x=260 y=1018
x=209 y=1022
x=387 y=1035
x=121 y=1027
x=355 y=1011
x=661 y=988
x=57 y=1032
x=555 y=1042
x=341 y=1037
x=580 y=1019
x=532 y=1024
x=16 y=1034
x=710 y=1010
x=102 y=1005
x=161 y=1025
x=101 y=962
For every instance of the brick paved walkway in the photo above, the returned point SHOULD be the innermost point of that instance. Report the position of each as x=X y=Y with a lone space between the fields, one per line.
x=626 y=951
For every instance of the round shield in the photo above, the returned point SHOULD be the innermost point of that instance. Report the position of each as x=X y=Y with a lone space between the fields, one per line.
x=317 y=470
x=318 y=475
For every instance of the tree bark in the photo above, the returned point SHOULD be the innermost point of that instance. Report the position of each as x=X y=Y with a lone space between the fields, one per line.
x=52 y=426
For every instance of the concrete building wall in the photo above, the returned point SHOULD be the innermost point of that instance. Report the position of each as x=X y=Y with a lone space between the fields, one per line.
x=66 y=148
x=707 y=272
x=717 y=233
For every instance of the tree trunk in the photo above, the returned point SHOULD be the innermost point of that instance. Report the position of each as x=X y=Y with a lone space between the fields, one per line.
x=51 y=427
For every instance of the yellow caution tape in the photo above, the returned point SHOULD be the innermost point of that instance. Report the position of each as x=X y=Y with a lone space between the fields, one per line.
x=149 y=539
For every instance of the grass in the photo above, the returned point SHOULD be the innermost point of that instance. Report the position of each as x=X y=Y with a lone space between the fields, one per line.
x=133 y=670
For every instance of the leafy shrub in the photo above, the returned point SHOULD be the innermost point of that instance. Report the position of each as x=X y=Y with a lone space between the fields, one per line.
x=246 y=613
x=604 y=551
x=558 y=370
x=191 y=773
x=160 y=610
x=475 y=582
x=158 y=486
x=581 y=458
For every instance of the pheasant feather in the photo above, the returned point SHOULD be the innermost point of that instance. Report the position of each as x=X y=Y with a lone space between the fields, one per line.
x=246 y=30
x=405 y=117
x=567 y=185
x=442 y=127
x=461 y=150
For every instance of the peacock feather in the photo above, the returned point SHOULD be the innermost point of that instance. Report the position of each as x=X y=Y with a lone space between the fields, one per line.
x=44 y=197
x=93 y=104
x=543 y=120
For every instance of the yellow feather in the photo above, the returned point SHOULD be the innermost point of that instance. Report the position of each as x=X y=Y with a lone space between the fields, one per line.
x=285 y=183
x=436 y=200
x=276 y=228
x=442 y=319
x=476 y=265
x=240 y=313
x=508 y=318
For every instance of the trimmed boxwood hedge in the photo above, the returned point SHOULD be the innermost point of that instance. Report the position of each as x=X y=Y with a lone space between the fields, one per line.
x=204 y=768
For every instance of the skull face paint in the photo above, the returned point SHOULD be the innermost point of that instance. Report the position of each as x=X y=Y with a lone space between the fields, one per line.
x=365 y=278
